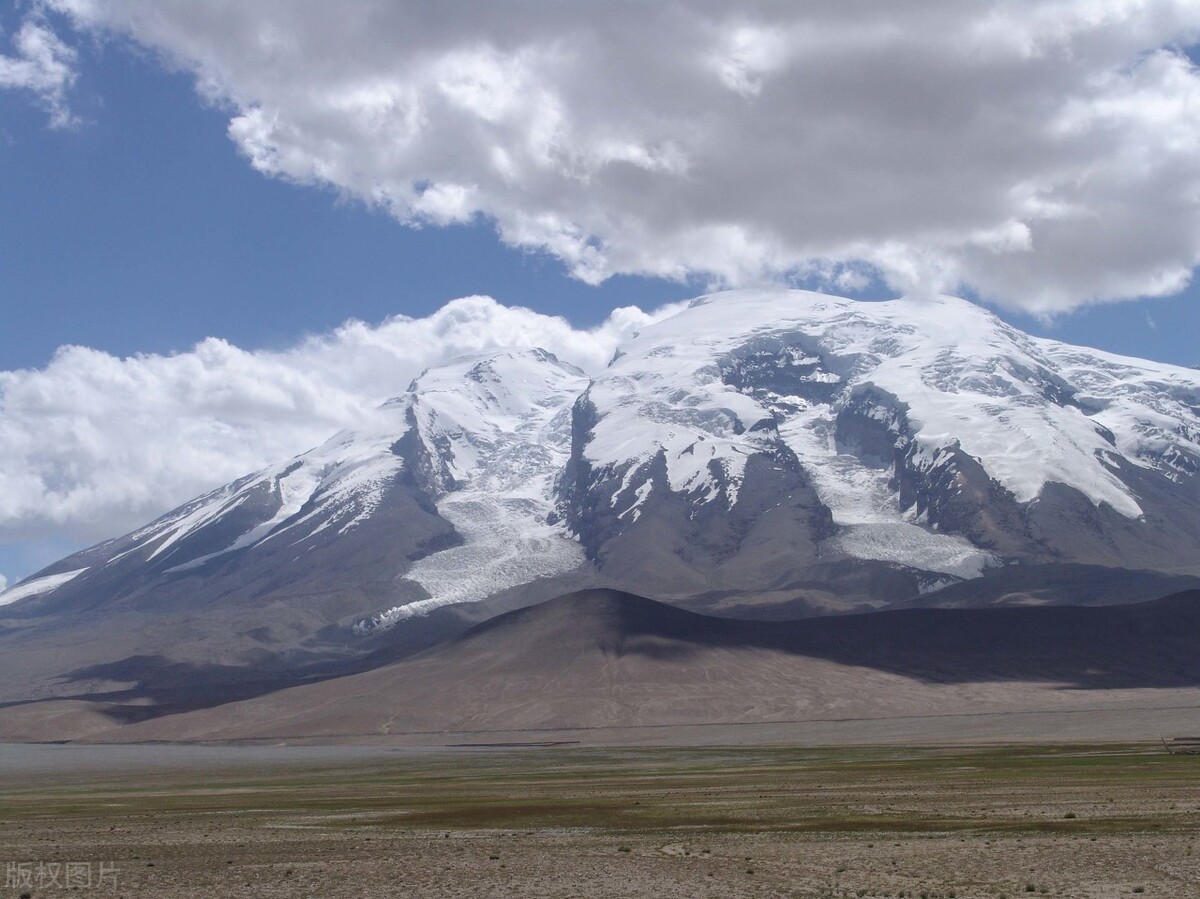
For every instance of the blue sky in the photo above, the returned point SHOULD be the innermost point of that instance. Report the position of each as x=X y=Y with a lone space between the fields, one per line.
x=684 y=150
x=144 y=230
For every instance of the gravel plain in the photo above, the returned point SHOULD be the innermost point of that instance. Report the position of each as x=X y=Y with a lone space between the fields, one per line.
x=1098 y=820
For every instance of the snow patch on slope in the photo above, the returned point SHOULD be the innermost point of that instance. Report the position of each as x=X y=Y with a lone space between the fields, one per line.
x=670 y=399
x=38 y=586
x=1151 y=409
x=341 y=483
x=968 y=377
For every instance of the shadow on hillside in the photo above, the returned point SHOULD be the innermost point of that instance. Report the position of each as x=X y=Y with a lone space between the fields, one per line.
x=1146 y=645
x=164 y=686
x=1150 y=644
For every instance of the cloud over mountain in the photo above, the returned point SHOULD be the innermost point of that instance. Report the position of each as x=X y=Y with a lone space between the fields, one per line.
x=92 y=444
x=1043 y=154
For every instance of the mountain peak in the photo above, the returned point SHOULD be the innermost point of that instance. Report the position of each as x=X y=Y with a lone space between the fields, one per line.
x=788 y=451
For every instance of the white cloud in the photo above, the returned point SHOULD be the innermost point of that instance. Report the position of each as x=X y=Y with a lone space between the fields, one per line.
x=44 y=66
x=1043 y=153
x=3 y=583
x=93 y=445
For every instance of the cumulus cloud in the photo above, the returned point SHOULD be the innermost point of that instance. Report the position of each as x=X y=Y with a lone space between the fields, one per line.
x=93 y=445
x=1042 y=153
x=44 y=66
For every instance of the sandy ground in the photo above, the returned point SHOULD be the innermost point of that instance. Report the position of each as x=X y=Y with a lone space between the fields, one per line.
x=602 y=662
x=1072 y=821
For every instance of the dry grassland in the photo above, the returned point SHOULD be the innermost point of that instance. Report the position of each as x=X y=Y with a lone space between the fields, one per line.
x=560 y=822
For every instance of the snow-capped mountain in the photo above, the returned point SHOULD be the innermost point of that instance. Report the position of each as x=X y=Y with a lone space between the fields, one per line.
x=783 y=451
x=931 y=434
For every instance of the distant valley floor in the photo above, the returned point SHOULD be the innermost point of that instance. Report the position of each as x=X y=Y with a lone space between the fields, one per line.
x=172 y=821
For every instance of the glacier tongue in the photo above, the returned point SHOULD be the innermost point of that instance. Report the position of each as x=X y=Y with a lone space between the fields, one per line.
x=501 y=423
x=864 y=504
x=506 y=543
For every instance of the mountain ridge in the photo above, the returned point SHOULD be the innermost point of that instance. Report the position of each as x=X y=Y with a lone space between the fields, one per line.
x=758 y=454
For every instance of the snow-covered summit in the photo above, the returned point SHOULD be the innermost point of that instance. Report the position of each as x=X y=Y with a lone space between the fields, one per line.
x=1031 y=411
x=895 y=410
x=496 y=419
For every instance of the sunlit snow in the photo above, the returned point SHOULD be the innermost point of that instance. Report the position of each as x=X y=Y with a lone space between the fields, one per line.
x=865 y=506
x=342 y=481
x=503 y=424
x=38 y=586
x=964 y=375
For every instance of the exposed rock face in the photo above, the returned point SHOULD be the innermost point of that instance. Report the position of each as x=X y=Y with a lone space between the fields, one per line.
x=638 y=528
